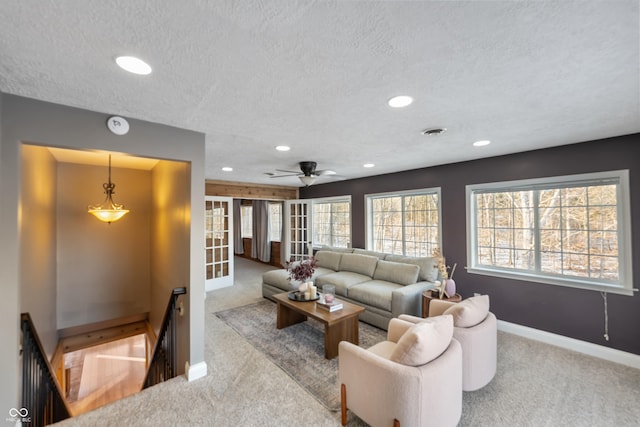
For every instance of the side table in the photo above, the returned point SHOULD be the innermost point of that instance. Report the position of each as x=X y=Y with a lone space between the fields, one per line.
x=427 y=296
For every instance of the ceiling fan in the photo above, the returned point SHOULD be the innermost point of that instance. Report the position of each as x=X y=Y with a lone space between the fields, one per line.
x=308 y=173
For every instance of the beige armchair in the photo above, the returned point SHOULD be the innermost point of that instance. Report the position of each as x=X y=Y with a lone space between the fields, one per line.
x=412 y=379
x=475 y=327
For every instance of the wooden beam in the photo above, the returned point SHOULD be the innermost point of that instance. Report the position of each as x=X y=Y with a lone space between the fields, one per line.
x=243 y=190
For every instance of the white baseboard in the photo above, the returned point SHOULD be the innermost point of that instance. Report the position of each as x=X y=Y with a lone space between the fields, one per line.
x=595 y=350
x=193 y=372
x=216 y=286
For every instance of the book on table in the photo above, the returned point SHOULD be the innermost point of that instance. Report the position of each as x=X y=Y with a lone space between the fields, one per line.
x=334 y=306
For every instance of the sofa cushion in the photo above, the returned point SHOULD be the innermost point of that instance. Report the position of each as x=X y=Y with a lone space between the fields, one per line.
x=328 y=259
x=337 y=249
x=362 y=264
x=376 y=293
x=342 y=280
x=396 y=272
x=428 y=265
x=379 y=255
x=278 y=278
x=424 y=341
x=469 y=312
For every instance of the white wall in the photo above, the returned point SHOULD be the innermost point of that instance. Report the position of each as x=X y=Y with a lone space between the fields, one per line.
x=103 y=269
x=38 y=243
x=29 y=121
x=171 y=219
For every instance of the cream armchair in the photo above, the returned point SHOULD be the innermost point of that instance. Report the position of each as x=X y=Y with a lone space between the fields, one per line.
x=389 y=385
x=475 y=327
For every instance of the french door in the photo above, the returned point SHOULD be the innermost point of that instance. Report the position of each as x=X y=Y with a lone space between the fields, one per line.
x=218 y=242
x=297 y=222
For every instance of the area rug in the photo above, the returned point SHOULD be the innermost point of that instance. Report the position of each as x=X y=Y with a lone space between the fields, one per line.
x=298 y=350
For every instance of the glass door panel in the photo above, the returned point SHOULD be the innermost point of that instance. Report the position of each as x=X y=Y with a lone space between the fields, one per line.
x=298 y=229
x=218 y=242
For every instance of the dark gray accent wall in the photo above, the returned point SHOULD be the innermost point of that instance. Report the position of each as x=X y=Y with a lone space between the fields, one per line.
x=571 y=312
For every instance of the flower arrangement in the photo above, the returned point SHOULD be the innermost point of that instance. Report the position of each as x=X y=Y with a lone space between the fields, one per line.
x=447 y=286
x=442 y=266
x=301 y=271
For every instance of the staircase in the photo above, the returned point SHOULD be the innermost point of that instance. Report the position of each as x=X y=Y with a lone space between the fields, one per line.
x=96 y=367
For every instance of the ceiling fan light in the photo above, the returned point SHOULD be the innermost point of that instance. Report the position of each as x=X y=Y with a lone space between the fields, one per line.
x=307 y=180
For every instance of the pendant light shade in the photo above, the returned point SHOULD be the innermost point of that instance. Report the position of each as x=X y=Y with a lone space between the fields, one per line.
x=108 y=211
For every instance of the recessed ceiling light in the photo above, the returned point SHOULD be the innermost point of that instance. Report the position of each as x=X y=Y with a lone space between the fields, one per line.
x=368 y=165
x=133 y=65
x=481 y=143
x=400 y=101
x=227 y=169
x=283 y=148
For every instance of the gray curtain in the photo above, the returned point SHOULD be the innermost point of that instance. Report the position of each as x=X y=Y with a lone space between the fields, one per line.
x=238 y=245
x=261 y=246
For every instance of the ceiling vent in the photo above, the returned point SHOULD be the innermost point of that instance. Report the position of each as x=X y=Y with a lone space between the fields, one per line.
x=434 y=131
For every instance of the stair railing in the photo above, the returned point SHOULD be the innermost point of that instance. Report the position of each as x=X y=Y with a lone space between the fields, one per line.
x=164 y=359
x=42 y=397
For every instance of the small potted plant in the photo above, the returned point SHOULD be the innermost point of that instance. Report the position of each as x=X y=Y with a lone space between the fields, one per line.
x=301 y=271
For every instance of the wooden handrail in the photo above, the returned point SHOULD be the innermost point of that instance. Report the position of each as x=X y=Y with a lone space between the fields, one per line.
x=163 y=365
x=42 y=397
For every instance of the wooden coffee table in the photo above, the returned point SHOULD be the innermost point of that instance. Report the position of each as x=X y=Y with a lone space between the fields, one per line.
x=340 y=325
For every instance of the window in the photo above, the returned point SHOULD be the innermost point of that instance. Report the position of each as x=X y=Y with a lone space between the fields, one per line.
x=246 y=214
x=406 y=223
x=572 y=230
x=275 y=221
x=332 y=222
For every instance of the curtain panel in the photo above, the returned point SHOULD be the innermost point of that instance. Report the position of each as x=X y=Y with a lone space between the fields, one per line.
x=261 y=245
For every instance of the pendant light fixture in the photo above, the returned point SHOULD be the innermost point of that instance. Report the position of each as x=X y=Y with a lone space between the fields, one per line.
x=108 y=211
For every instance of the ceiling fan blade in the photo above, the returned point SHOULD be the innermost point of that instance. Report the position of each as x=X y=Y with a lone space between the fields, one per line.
x=287 y=171
x=326 y=172
x=283 y=176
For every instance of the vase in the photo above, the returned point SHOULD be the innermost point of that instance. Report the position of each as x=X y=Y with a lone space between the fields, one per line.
x=450 y=287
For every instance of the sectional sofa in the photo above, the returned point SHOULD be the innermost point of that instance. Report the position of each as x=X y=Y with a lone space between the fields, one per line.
x=385 y=285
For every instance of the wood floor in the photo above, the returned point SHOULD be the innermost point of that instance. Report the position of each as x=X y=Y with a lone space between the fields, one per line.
x=104 y=373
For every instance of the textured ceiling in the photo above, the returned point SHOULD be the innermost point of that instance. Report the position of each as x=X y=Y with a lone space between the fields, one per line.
x=316 y=75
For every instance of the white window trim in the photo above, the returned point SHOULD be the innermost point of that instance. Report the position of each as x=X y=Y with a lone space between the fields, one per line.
x=625 y=258
x=418 y=192
x=335 y=199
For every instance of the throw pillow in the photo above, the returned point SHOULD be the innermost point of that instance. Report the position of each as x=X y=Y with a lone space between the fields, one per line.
x=424 y=341
x=328 y=259
x=396 y=272
x=469 y=312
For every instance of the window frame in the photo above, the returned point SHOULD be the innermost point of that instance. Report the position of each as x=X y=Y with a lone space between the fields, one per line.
x=244 y=208
x=280 y=214
x=623 y=286
x=368 y=199
x=333 y=199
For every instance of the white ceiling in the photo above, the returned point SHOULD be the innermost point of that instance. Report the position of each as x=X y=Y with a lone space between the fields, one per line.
x=316 y=75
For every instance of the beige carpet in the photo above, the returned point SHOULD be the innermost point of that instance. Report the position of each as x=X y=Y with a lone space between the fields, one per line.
x=536 y=385
x=298 y=350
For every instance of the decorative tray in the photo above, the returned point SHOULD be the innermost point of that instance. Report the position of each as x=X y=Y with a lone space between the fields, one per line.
x=299 y=296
